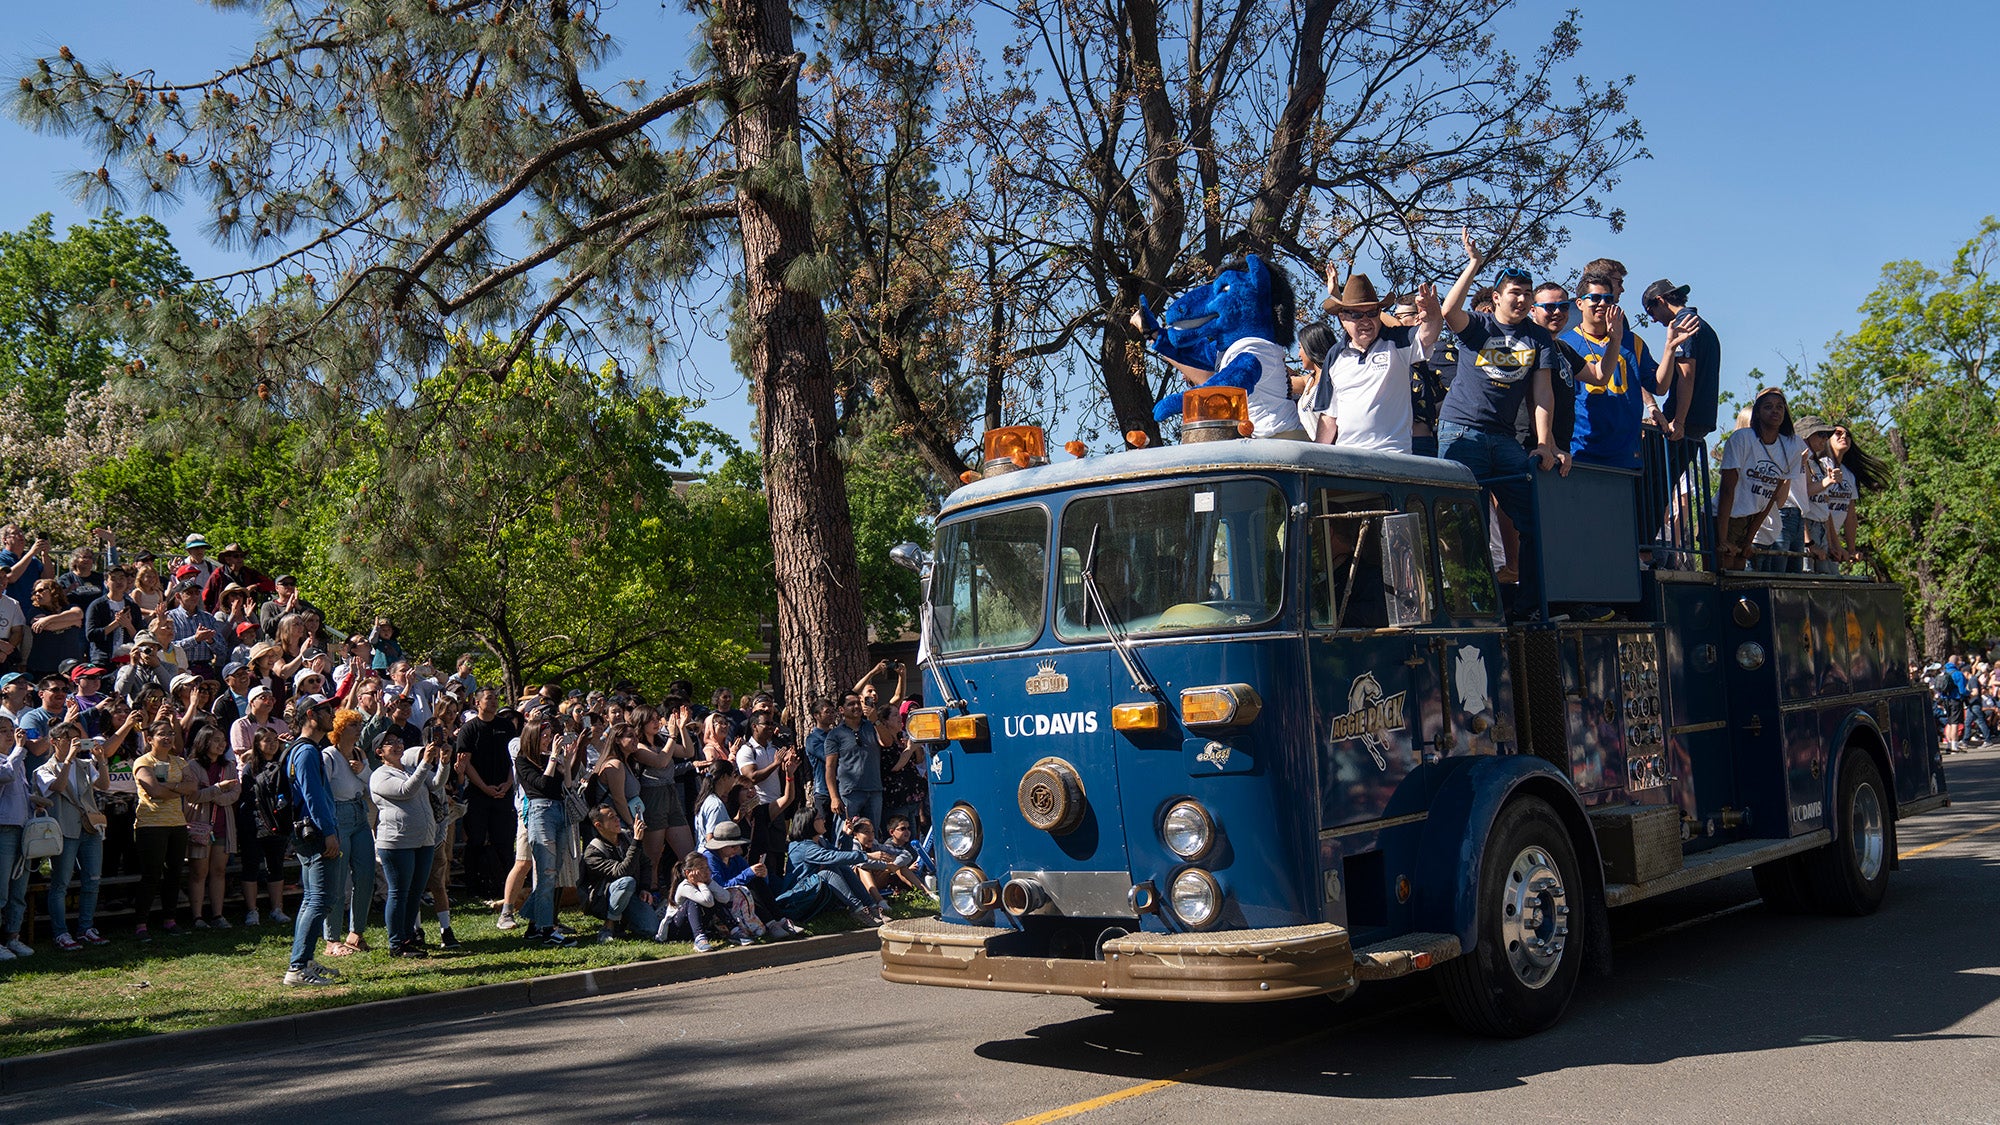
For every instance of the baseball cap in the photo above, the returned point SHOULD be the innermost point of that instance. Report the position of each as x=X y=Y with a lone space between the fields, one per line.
x=306 y=704
x=1811 y=425
x=185 y=679
x=10 y=677
x=1678 y=294
x=146 y=640
x=143 y=556
x=299 y=676
x=257 y=692
x=233 y=668
x=85 y=671
x=194 y=541
x=285 y=580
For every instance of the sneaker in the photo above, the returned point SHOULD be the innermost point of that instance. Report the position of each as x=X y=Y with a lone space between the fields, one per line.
x=4 y=955
x=142 y=933
x=743 y=938
x=1592 y=613
x=559 y=928
x=251 y=919
x=407 y=949
x=556 y=939
x=326 y=971
x=20 y=948
x=606 y=936
x=218 y=923
x=92 y=937
x=507 y=921
x=306 y=978
x=702 y=944
x=68 y=944
x=201 y=923
x=449 y=940
x=280 y=918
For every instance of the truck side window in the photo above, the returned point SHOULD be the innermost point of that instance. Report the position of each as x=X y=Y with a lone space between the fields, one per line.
x=1466 y=568
x=1346 y=560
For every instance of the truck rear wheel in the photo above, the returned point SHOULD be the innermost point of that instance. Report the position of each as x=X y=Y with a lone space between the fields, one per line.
x=1851 y=875
x=1522 y=971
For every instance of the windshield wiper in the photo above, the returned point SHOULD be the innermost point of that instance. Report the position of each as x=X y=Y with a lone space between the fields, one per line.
x=1113 y=629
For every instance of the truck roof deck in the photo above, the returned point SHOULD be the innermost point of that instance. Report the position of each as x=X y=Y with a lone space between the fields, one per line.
x=1253 y=454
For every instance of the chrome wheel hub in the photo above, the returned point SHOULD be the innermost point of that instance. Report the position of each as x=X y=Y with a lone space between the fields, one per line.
x=1867 y=833
x=1534 y=917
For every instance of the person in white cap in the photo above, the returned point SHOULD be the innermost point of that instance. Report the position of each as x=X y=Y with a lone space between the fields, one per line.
x=197 y=565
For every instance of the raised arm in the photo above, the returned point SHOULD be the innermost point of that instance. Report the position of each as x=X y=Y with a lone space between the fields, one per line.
x=1455 y=316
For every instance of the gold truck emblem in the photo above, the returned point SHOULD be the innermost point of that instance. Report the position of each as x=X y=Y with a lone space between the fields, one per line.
x=1047 y=681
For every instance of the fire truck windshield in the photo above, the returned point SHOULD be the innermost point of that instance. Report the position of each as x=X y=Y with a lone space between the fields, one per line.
x=1183 y=558
x=987 y=581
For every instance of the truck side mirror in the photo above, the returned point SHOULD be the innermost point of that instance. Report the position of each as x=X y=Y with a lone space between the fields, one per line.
x=1405 y=571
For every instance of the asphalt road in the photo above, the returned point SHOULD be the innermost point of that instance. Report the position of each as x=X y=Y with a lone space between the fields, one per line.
x=1718 y=1010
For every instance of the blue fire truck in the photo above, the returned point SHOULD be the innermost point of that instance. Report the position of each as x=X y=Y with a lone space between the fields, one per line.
x=1244 y=720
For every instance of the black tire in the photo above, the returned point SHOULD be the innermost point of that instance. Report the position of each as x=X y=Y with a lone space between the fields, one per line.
x=1851 y=875
x=1506 y=987
x=1783 y=885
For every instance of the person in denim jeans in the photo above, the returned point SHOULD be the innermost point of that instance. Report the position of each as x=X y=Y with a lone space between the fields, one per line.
x=76 y=772
x=1504 y=357
x=352 y=881
x=542 y=767
x=13 y=815
x=316 y=834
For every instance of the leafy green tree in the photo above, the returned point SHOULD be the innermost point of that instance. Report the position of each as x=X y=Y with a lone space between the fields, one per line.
x=54 y=336
x=893 y=500
x=1914 y=381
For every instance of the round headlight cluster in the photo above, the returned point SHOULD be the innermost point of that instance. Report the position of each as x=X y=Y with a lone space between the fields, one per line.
x=1187 y=830
x=965 y=892
x=960 y=831
x=1195 y=897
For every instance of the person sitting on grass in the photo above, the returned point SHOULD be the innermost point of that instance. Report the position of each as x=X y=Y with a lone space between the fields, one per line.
x=614 y=875
x=813 y=856
x=725 y=848
x=911 y=862
x=702 y=907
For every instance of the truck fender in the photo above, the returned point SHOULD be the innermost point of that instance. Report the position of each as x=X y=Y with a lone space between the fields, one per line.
x=1860 y=730
x=1454 y=845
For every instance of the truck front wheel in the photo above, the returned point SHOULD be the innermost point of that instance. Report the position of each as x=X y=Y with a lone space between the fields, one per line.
x=1520 y=974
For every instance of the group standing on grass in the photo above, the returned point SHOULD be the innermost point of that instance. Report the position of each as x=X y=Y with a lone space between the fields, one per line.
x=210 y=727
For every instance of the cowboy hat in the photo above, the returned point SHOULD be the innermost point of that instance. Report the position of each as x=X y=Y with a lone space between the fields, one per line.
x=1357 y=296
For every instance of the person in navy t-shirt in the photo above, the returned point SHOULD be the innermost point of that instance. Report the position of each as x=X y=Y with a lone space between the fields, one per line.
x=1503 y=358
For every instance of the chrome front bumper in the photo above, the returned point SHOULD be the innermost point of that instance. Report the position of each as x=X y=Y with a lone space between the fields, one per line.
x=1243 y=966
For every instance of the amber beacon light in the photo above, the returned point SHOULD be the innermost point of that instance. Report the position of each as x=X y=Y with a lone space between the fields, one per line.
x=1015 y=447
x=1215 y=413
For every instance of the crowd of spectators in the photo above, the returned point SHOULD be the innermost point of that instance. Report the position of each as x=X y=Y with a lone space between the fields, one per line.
x=194 y=722
x=1965 y=696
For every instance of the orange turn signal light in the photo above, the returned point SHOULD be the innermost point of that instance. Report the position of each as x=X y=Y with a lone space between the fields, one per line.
x=965 y=728
x=1221 y=705
x=1137 y=439
x=1215 y=404
x=926 y=725
x=1075 y=448
x=1135 y=716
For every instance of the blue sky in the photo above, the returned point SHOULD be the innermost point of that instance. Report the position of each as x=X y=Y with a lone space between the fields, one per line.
x=1795 y=149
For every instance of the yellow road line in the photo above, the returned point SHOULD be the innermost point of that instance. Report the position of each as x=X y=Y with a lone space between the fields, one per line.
x=1196 y=1073
x=1948 y=840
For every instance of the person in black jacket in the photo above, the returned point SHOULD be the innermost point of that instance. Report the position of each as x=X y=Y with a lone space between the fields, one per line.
x=614 y=870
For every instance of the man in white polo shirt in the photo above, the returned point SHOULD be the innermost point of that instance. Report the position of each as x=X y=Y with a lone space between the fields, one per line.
x=1370 y=373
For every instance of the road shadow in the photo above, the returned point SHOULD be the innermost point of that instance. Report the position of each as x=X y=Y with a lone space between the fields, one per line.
x=1709 y=971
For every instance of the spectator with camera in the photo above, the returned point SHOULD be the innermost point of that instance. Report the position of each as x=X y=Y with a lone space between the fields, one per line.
x=77 y=772
x=406 y=831
x=315 y=833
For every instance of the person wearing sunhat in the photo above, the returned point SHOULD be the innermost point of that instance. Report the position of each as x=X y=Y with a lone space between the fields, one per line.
x=234 y=572
x=1370 y=372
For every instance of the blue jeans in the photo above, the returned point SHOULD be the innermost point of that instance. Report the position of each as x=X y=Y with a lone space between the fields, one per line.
x=625 y=905
x=353 y=871
x=1500 y=459
x=864 y=802
x=1424 y=445
x=16 y=890
x=313 y=876
x=546 y=824
x=406 y=870
x=88 y=849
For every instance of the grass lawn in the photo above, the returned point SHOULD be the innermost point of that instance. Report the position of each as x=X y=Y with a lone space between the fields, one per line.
x=208 y=977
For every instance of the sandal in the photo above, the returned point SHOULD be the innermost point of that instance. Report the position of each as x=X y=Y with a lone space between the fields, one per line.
x=339 y=949
x=356 y=942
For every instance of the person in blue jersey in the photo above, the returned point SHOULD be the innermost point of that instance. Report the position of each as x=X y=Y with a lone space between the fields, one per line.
x=1503 y=358
x=1608 y=412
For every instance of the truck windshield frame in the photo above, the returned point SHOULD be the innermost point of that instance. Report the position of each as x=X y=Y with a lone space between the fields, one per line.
x=989 y=579
x=1176 y=558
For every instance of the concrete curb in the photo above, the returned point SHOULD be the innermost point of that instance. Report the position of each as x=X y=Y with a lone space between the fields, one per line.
x=117 y=1057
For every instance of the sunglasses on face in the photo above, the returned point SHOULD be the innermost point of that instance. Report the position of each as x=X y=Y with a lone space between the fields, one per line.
x=1553 y=307
x=1596 y=298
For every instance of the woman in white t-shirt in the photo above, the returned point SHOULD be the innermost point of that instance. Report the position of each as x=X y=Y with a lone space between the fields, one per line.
x=1761 y=465
x=1853 y=471
x=1316 y=342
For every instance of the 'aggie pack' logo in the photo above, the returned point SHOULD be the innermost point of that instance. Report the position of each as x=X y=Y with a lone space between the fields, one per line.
x=1370 y=717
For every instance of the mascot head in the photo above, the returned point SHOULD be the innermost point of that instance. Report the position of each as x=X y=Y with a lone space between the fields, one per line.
x=1247 y=299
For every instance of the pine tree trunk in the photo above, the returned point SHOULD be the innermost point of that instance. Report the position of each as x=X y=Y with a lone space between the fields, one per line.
x=822 y=636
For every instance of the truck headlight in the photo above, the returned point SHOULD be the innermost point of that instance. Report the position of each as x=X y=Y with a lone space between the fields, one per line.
x=1195 y=897
x=965 y=898
x=1187 y=830
x=960 y=832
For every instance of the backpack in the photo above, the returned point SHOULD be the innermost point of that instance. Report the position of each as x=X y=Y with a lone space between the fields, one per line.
x=1945 y=686
x=271 y=795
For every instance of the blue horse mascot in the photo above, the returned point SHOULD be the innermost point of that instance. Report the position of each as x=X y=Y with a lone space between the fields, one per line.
x=1232 y=332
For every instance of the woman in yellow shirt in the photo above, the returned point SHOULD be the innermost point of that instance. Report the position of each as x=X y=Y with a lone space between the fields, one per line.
x=165 y=783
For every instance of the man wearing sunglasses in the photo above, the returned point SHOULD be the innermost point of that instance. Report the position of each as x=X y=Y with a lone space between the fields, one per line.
x=1608 y=413
x=1504 y=358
